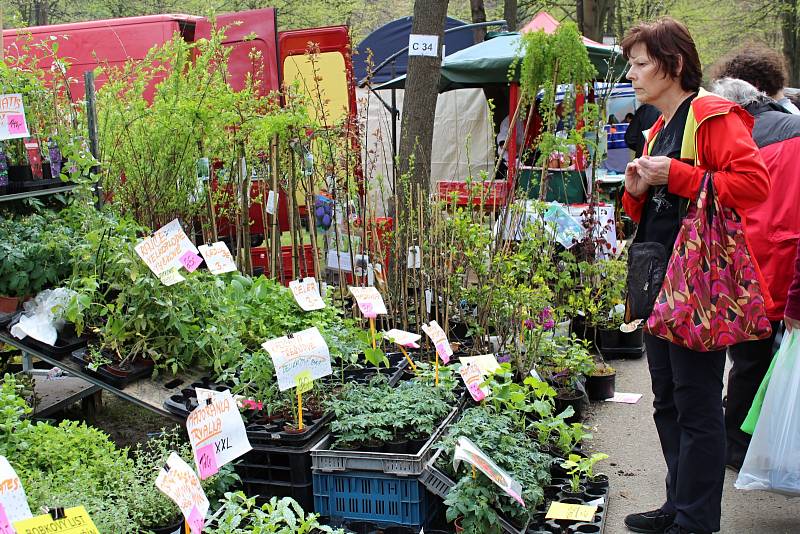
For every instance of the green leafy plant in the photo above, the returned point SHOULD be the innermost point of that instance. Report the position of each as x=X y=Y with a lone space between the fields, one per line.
x=240 y=515
x=578 y=467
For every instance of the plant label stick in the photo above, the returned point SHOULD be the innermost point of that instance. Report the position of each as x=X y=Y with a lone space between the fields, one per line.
x=12 y=495
x=439 y=340
x=404 y=339
x=306 y=293
x=218 y=258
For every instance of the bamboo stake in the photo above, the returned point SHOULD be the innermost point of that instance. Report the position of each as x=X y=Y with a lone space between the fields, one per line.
x=275 y=243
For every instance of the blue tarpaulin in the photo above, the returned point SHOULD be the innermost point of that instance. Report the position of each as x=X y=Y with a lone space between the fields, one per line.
x=393 y=37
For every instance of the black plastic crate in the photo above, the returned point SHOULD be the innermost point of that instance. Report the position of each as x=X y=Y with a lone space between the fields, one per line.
x=263 y=491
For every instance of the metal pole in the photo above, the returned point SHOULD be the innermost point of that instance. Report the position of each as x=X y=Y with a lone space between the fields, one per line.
x=91 y=115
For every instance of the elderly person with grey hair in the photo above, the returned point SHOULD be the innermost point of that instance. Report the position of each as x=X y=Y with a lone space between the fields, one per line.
x=773 y=230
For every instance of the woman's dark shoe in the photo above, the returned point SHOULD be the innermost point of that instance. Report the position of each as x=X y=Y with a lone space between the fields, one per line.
x=653 y=522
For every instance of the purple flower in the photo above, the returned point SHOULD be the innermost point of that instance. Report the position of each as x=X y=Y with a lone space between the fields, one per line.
x=504 y=358
x=529 y=324
x=548 y=325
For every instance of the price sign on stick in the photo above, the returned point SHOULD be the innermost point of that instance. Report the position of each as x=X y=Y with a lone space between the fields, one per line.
x=298 y=353
x=218 y=258
x=571 y=512
x=487 y=363
x=12 y=117
x=370 y=302
x=171 y=276
x=12 y=495
x=217 y=434
x=163 y=250
x=179 y=482
x=439 y=340
x=472 y=376
x=470 y=453
x=74 y=521
x=403 y=338
x=191 y=261
x=306 y=293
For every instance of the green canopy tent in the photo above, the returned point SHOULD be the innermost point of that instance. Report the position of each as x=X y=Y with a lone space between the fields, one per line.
x=489 y=63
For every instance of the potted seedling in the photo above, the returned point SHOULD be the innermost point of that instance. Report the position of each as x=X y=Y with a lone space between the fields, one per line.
x=601 y=381
x=574 y=489
x=594 y=481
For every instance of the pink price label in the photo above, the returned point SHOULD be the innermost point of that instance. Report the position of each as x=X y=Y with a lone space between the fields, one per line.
x=190 y=260
x=441 y=349
x=476 y=392
x=207 y=461
x=196 y=521
x=5 y=524
x=367 y=309
x=17 y=125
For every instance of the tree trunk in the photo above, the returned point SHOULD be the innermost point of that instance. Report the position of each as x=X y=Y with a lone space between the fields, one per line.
x=791 y=41
x=579 y=15
x=510 y=14
x=419 y=106
x=594 y=16
x=478 y=15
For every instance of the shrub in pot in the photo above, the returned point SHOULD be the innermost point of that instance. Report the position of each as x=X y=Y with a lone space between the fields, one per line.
x=601 y=381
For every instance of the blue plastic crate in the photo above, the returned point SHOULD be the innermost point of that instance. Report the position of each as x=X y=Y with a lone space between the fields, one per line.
x=371 y=496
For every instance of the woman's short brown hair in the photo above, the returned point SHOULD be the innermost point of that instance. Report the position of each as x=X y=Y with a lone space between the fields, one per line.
x=670 y=46
x=757 y=64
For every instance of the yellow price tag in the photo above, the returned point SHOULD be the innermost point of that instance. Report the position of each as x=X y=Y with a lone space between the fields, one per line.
x=75 y=521
x=304 y=382
x=572 y=512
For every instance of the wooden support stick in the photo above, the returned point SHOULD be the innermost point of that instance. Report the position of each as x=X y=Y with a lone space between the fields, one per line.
x=299 y=409
x=410 y=361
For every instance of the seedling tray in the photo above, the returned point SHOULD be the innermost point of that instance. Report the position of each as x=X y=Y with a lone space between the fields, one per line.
x=119 y=382
x=325 y=459
x=63 y=346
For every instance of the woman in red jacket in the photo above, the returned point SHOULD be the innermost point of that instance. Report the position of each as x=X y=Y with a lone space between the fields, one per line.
x=697 y=132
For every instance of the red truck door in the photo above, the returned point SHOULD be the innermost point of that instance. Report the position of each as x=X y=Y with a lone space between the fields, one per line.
x=245 y=32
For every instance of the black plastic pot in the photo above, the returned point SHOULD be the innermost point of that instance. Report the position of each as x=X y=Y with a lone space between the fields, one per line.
x=600 y=481
x=574 y=399
x=175 y=528
x=609 y=337
x=361 y=527
x=601 y=387
x=584 y=528
x=399 y=446
x=566 y=491
x=399 y=530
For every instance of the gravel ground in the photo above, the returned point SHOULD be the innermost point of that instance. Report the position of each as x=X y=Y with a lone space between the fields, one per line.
x=636 y=468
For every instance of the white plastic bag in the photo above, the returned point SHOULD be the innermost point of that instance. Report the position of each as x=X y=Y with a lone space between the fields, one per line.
x=773 y=458
x=43 y=316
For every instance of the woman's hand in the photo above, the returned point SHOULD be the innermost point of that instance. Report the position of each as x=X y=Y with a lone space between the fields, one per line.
x=634 y=183
x=654 y=169
x=791 y=323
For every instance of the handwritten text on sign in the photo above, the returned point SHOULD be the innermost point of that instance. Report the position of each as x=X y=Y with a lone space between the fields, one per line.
x=304 y=351
x=470 y=453
x=179 y=482
x=217 y=423
x=12 y=495
x=75 y=521
x=218 y=258
x=571 y=512
x=164 y=249
x=439 y=340
x=472 y=376
x=306 y=293
x=12 y=117
x=370 y=302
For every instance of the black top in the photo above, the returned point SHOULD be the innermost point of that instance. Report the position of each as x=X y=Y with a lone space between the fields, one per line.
x=662 y=214
x=645 y=117
x=773 y=123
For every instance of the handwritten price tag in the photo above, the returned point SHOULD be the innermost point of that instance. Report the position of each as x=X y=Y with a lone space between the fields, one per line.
x=206 y=460
x=218 y=258
x=305 y=352
x=75 y=521
x=473 y=377
x=12 y=494
x=306 y=293
x=219 y=424
x=196 y=521
x=179 y=482
x=5 y=523
x=191 y=261
x=439 y=340
x=304 y=382
x=370 y=302
x=170 y=277
x=572 y=512
x=401 y=337
x=12 y=117
x=165 y=248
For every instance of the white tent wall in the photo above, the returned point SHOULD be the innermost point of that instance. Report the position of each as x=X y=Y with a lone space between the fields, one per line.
x=463 y=141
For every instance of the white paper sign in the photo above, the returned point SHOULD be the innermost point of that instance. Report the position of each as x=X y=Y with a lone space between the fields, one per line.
x=272 y=201
x=470 y=453
x=414 y=260
x=423 y=45
x=216 y=427
x=241 y=401
x=625 y=398
x=370 y=302
x=439 y=340
x=12 y=117
x=306 y=293
x=403 y=338
x=12 y=494
x=179 y=482
x=218 y=258
x=164 y=249
x=171 y=276
x=303 y=352
x=487 y=363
